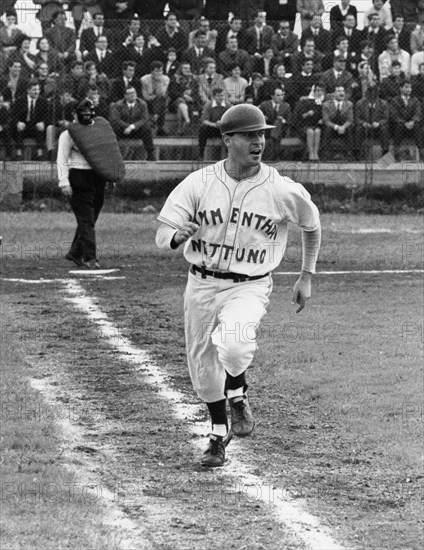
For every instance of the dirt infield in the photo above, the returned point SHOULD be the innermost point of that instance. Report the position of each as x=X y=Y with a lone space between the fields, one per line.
x=337 y=393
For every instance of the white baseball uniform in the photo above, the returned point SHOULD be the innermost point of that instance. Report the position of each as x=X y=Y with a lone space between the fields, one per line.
x=242 y=230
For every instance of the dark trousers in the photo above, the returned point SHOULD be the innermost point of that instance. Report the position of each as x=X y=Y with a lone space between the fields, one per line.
x=365 y=135
x=399 y=132
x=30 y=132
x=157 y=106
x=88 y=191
x=205 y=133
x=332 y=141
x=6 y=138
x=145 y=134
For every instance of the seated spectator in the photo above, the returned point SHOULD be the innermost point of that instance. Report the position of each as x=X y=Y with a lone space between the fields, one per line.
x=308 y=52
x=321 y=36
x=417 y=82
x=48 y=82
x=74 y=81
x=89 y=36
x=129 y=118
x=172 y=36
x=280 y=79
x=337 y=117
x=5 y=130
x=80 y=7
x=197 y=53
x=278 y=113
x=409 y=9
x=255 y=92
x=154 y=87
x=117 y=13
x=382 y=10
x=46 y=54
x=342 y=50
x=103 y=58
x=101 y=106
x=366 y=79
x=233 y=55
x=417 y=40
x=211 y=34
x=367 y=54
x=307 y=8
x=120 y=84
x=93 y=78
x=234 y=86
x=265 y=63
x=60 y=115
x=23 y=56
x=46 y=13
x=390 y=86
x=62 y=38
x=336 y=77
x=371 y=123
x=393 y=53
x=137 y=52
x=13 y=84
x=211 y=116
x=171 y=64
x=259 y=35
x=150 y=10
x=277 y=10
x=402 y=33
x=305 y=81
x=307 y=120
x=375 y=34
x=350 y=32
x=216 y=10
x=417 y=59
x=285 y=43
x=405 y=116
x=10 y=34
x=233 y=30
x=208 y=80
x=338 y=14
x=29 y=116
x=183 y=97
x=128 y=35
x=186 y=10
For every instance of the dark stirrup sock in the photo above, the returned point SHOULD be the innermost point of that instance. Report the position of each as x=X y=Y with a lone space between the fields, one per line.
x=218 y=412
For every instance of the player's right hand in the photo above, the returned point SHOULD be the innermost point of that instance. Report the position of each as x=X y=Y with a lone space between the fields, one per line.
x=67 y=191
x=185 y=232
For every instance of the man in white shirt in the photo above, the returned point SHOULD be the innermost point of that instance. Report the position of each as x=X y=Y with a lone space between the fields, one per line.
x=383 y=10
x=393 y=53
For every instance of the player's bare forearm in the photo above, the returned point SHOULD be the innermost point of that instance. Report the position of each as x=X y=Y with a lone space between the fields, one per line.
x=302 y=290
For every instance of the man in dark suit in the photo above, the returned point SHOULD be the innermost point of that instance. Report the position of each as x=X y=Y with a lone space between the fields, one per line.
x=371 y=122
x=136 y=51
x=303 y=81
x=390 y=86
x=62 y=38
x=402 y=33
x=5 y=134
x=233 y=55
x=375 y=34
x=278 y=113
x=321 y=36
x=29 y=115
x=120 y=84
x=337 y=117
x=89 y=36
x=233 y=30
x=259 y=35
x=308 y=52
x=348 y=30
x=406 y=118
x=212 y=112
x=103 y=58
x=281 y=11
x=338 y=13
x=337 y=76
x=285 y=43
x=196 y=54
x=129 y=118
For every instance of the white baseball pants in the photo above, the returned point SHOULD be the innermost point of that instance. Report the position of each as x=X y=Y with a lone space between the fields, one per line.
x=221 y=321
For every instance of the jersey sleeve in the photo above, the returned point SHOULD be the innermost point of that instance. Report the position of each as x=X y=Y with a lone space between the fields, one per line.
x=296 y=206
x=180 y=206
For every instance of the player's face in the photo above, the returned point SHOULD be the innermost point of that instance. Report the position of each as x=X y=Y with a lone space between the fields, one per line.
x=245 y=148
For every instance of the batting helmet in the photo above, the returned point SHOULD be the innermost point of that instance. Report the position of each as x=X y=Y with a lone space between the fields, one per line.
x=243 y=118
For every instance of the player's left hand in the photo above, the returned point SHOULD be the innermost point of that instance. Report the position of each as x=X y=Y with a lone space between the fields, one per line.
x=302 y=290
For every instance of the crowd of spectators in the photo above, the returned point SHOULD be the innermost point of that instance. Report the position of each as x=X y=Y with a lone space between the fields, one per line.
x=334 y=89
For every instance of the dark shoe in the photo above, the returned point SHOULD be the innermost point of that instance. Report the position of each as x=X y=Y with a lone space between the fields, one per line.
x=161 y=132
x=91 y=264
x=77 y=261
x=214 y=456
x=242 y=421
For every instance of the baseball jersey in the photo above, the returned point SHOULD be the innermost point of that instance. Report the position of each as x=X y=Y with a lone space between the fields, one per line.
x=242 y=224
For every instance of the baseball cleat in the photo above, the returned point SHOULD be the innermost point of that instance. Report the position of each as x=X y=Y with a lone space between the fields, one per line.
x=91 y=264
x=77 y=261
x=214 y=456
x=242 y=421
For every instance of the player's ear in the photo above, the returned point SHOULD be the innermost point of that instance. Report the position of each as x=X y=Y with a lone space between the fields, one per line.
x=226 y=139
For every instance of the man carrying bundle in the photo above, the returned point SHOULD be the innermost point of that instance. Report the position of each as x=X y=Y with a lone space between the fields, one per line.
x=88 y=156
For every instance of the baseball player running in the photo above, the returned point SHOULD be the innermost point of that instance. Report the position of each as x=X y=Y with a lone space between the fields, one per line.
x=232 y=219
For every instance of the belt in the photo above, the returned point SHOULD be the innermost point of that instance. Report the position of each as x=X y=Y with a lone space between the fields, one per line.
x=236 y=277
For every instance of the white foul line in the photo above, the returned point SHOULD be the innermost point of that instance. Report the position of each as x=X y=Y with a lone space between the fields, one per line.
x=305 y=526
